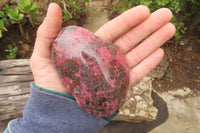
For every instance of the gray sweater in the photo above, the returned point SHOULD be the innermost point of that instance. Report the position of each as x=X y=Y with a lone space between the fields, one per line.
x=53 y=112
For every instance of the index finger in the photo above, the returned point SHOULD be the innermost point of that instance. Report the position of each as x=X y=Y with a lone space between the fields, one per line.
x=123 y=23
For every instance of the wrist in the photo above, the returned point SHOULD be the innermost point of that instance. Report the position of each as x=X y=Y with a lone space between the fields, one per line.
x=54 y=92
x=49 y=85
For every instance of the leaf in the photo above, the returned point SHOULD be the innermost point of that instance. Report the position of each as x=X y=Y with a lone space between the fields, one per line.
x=170 y=77
x=10 y=46
x=27 y=2
x=67 y=14
x=0 y=34
x=25 y=6
x=6 y=7
x=72 y=3
x=21 y=16
x=2 y=27
x=33 y=16
x=77 y=8
x=1 y=24
x=12 y=52
x=6 y=21
x=2 y=14
x=11 y=56
x=20 y=4
x=15 y=16
x=13 y=13
x=7 y=50
x=34 y=6
x=24 y=3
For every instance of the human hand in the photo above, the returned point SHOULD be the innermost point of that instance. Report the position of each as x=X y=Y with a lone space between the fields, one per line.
x=140 y=35
x=126 y=31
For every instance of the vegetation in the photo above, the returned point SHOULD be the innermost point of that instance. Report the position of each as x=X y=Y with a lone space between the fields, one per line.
x=12 y=52
x=182 y=10
x=2 y=27
x=31 y=9
x=16 y=17
x=170 y=77
x=25 y=12
x=25 y=8
x=8 y=16
x=4 y=14
x=73 y=9
x=4 y=19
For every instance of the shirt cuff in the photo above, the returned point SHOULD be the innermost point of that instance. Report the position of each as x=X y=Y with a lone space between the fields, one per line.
x=47 y=112
x=108 y=118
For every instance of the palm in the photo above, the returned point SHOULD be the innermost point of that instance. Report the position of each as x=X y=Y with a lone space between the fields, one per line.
x=126 y=31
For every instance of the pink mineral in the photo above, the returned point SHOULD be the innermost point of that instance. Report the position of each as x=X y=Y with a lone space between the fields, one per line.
x=93 y=70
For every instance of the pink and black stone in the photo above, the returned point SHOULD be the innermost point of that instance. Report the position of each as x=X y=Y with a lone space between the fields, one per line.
x=93 y=70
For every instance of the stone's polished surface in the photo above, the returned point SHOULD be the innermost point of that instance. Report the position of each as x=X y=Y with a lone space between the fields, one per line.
x=92 y=69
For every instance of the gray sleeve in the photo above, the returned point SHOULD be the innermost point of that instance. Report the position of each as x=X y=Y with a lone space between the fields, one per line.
x=50 y=113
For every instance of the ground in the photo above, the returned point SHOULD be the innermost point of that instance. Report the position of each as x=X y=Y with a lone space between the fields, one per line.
x=184 y=65
x=13 y=36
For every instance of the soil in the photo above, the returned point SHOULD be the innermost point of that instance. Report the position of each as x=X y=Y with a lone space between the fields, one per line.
x=184 y=64
x=14 y=37
x=25 y=44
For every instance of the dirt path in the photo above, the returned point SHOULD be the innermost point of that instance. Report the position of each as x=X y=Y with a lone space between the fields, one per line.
x=97 y=16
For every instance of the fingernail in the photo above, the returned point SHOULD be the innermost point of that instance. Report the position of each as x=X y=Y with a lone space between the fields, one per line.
x=49 y=8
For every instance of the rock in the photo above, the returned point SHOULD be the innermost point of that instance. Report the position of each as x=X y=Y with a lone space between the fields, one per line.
x=24 y=49
x=189 y=48
x=159 y=71
x=92 y=69
x=181 y=43
x=139 y=104
x=181 y=92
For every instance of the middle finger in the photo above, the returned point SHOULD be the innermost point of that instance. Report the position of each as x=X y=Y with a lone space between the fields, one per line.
x=138 y=33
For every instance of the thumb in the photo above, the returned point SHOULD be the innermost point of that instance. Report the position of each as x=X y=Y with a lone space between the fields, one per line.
x=48 y=31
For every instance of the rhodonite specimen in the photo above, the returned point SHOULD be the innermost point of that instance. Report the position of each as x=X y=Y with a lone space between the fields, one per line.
x=93 y=70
